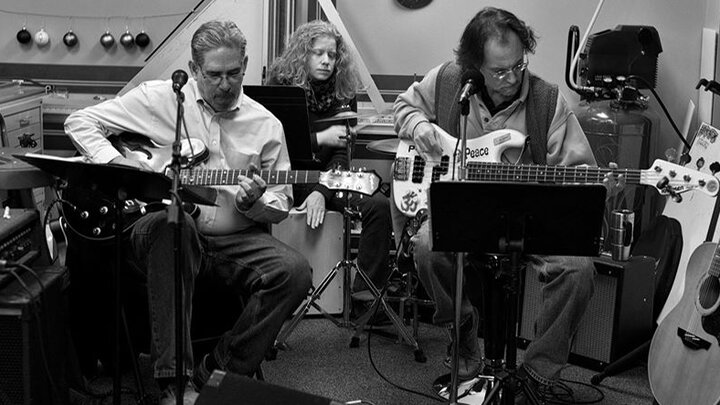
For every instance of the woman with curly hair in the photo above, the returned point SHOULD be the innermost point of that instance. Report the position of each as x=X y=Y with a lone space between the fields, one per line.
x=317 y=59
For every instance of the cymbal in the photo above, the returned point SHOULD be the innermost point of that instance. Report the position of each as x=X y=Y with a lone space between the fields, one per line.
x=388 y=146
x=342 y=116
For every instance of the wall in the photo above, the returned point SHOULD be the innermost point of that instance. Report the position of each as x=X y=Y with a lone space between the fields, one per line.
x=397 y=41
x=392 y=40
x=88 y=19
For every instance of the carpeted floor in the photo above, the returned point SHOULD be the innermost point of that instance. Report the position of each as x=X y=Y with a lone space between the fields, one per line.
x=319 y=361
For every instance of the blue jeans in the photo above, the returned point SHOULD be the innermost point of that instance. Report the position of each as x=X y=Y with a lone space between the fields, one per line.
x=272 y=278
x=569 y=284
x=374 y=244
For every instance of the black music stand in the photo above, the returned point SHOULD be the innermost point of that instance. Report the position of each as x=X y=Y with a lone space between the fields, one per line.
x=514 y=219
x=120 y=183
x=289 y=105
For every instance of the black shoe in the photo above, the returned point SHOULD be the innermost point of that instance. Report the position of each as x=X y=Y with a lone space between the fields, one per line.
x=541 y=392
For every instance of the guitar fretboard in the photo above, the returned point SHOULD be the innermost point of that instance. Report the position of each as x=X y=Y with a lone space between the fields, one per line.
x=502 y=172
x=229 y=177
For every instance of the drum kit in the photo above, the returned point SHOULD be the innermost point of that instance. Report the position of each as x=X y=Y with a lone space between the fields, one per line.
x=385 y=146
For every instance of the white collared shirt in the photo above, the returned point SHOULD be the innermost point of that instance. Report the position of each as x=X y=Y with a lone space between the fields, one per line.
x=247 y=134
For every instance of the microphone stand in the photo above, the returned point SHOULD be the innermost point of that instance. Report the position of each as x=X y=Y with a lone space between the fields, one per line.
x=176 y=218
x=459 y=258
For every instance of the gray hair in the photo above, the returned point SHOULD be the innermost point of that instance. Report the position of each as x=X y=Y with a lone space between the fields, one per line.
x=213 y=35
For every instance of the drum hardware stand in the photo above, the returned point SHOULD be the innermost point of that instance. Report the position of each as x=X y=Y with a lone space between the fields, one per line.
x=346 y=266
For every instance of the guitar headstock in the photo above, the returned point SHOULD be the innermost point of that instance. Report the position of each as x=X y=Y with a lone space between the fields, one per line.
x=671 y=179
x=358 y=181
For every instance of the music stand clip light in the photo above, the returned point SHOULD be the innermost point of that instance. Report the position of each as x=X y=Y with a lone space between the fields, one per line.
x=547 y=219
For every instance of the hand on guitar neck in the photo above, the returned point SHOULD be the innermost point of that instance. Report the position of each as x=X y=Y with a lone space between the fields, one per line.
x=614 y=181
x=250 y=190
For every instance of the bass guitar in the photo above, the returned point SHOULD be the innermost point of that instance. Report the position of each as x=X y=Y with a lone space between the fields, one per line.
x=412 y=175
x=684 y=360
x=89 y=213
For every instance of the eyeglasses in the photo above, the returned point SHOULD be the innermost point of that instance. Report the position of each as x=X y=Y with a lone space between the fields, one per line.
x=501 y=74
x=215 y=78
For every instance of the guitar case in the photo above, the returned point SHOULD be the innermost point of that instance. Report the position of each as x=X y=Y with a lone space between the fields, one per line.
x=662 y=240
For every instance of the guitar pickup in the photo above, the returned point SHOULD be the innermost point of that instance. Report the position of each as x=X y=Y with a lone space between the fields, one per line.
x=692 y=341
x=418 y=170
x=401 y=169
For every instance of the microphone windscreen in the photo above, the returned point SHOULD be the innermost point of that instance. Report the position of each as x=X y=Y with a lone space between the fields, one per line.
x=179 y=77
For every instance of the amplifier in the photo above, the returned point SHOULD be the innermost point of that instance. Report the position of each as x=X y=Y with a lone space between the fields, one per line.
x=22 y=240
x=618 y=319
x=33 y=339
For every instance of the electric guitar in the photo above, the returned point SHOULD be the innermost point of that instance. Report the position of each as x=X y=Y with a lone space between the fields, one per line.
x=90 y=213
x=684 y=361
x=412 y=175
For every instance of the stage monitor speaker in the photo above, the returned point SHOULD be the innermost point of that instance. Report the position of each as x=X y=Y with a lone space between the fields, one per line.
x=230 y=389
x=618 y=319
x=33 y=340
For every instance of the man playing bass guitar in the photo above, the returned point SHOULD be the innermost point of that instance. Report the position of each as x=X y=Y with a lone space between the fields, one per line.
x=493 y=51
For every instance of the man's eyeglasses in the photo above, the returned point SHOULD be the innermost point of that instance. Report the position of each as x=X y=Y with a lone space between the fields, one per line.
x=215 y=78
x=501 y=74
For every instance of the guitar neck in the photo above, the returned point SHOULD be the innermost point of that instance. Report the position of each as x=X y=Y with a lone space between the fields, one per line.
x=229 y=177
x=502 y=172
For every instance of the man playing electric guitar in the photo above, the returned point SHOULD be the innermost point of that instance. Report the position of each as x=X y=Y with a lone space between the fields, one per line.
x=229 y=240
x=493 y=51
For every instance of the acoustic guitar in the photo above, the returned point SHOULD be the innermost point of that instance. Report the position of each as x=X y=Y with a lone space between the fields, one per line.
x=684 y=360
x=412 y=175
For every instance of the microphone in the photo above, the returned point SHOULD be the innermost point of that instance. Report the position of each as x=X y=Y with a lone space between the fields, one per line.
x=471 y=86
x=179 y=78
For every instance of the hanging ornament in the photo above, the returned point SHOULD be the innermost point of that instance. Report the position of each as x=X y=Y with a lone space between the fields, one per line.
x=142 y=39
x=41 y=37
x=70 y=39
x=24 y=36
x=107 y=40
x=127 y=40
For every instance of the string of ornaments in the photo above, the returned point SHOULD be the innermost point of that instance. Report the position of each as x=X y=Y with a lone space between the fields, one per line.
x=70 y=39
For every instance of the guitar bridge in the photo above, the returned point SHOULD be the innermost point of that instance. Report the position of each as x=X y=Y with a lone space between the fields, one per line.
x=692 y=341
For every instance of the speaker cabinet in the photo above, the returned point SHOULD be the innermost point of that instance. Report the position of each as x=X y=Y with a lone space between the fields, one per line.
x=323 y=248
x=618 y=319
x=33 y=339
x=230 y=389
